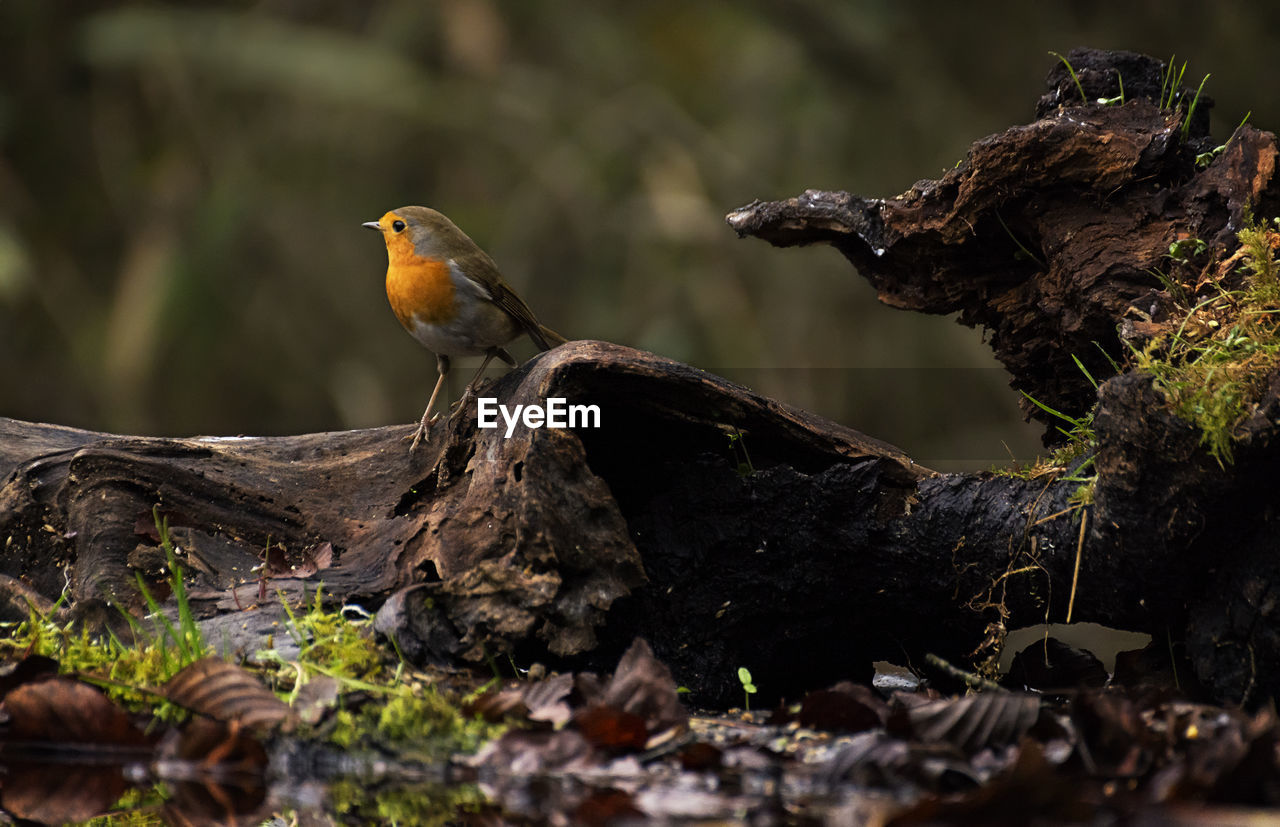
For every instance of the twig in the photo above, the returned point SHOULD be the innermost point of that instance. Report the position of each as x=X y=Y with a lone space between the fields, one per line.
x=969 y=679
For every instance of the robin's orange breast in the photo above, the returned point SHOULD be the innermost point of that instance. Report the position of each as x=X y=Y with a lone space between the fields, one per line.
x=421 y=290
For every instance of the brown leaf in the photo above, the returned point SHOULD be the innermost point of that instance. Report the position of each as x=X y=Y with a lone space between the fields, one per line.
x=58 y=793
x=276 y=559
x=497 y=704
x=66 y=712
x=1116 y=736
x=845 y=707
x=700 y=756
x=544 y=701
x=876 y=759
x=226 y=692
x=547 y=700
x=642 y=685
x=975 y=722
x=144 y=525
x=216 y=772
x=230 y=803
x=528 y=752
x=205 y=744
x=28 y=670
x=612 y=729
x=76 y=722
x=605 y=807
x=588 y=687
x=1031 y=791
x=313 y=560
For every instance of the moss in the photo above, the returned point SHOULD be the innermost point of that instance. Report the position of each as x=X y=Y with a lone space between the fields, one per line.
x=152 y=658
x=419 y=804
x=336 y=645
x=1214 y=360
x=417 y=721
x=382 y=706
x=345 y=729
x=148 y=662
x=136 y=808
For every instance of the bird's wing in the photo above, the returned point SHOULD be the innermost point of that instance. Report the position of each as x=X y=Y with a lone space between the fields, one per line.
x=495 y=290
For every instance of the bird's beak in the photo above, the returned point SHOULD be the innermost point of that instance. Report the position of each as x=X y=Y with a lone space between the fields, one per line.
x=372 y=225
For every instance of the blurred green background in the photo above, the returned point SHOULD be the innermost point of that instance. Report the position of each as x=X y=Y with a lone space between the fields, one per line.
x=182 y=187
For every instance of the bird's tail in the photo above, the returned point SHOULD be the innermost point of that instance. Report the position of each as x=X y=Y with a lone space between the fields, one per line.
x=546 y=338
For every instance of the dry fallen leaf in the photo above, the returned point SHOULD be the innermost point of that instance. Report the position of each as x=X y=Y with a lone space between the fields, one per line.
x=87 y=732
x=226 y=692
x=975 y=722
x=845 y=707
x=612 y=729
x=66 y=712
x=643 y=685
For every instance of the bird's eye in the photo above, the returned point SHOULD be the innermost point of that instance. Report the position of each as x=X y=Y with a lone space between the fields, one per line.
x=397 y=225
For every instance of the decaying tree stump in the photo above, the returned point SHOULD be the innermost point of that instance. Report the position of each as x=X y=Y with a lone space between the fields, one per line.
x=1048 y=235
x=733 y=530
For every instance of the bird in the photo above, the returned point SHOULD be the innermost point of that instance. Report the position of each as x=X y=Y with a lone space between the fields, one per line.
x=450 y=296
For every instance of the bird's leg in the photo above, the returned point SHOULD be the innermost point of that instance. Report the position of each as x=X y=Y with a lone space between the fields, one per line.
x=499 y=352
x=442 y=366
x=471 y=386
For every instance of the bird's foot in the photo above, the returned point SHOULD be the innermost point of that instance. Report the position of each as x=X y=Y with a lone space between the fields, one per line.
x=423 y=427
x=473 y=389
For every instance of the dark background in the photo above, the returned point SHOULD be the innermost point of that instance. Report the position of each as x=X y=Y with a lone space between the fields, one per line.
x=182 y=187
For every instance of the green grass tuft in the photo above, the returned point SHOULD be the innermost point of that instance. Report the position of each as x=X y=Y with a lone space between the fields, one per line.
x=1214 y=364
x=1071 y=71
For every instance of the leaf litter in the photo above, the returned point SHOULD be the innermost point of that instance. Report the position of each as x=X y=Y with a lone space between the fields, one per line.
x=580 y=748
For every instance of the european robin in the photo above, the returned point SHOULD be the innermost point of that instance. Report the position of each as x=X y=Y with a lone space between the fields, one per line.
x=449 y=295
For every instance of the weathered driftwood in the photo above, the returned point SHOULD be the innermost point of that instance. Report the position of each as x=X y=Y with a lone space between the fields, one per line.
x=733 y=530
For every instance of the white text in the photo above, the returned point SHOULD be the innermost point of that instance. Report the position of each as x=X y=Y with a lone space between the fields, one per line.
x=556 y=413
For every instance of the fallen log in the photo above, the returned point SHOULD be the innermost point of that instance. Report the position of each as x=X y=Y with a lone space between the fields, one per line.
x=732 y=530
